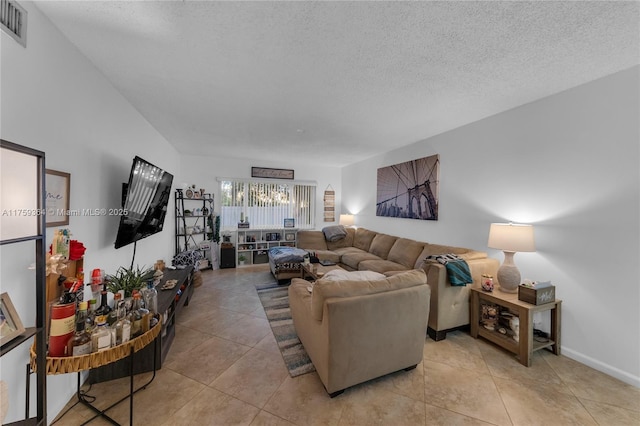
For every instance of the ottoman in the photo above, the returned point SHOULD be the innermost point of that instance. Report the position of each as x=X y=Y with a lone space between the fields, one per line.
x=286 y=262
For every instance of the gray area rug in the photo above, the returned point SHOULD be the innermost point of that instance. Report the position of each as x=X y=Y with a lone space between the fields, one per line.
x=275 y=300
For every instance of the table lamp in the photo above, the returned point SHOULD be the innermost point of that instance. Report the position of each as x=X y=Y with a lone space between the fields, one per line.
x=346 y=220
x=510 y=238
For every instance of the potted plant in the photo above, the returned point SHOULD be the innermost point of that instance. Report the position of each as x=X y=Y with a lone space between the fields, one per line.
x=128 y=279
x=241 y=259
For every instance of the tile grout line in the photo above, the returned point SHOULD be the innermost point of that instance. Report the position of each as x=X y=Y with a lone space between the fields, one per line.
x=493 y=380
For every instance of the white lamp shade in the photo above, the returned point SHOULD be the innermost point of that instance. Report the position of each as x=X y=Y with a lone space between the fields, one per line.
x=346 y=219
x=511 y=237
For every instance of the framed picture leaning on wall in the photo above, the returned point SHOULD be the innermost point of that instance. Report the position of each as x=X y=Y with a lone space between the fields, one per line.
x=10 y=323
x=58 y=189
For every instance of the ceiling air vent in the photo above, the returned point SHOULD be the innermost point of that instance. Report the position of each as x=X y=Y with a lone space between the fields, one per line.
x=14 y=20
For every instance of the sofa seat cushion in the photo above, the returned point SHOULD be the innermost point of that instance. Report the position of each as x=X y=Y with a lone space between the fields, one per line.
x=327 y=255
x=344 y=250
x=325 y=289
x=353 y=259
x=381 y=245
x=381 y=266
x=405 y=252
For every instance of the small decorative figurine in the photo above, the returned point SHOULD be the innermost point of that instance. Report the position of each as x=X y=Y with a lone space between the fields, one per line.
x=489 y=316
x=514 y=323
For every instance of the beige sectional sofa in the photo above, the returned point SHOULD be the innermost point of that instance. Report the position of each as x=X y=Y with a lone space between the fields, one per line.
x=355 y=329
x=364 y=249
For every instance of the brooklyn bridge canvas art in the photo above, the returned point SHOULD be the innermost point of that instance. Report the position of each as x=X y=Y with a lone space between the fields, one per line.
x=410 y=189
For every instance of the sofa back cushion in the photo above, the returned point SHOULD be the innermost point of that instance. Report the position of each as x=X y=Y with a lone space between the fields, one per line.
x=363 y=238
x=405 y=252
x=345 y=242
x=324 y=289
x=381 y=244
x=311 y=240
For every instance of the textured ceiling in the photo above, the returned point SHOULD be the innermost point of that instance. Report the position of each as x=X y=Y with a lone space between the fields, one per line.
x=274 y=80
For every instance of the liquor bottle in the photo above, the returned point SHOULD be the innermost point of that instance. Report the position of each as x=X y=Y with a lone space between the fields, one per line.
x=122 y=326
x=145 y=318
x=151 y=298
x=91 y=316
x=151 y=303
x=135 y=316
x=101 y=336
x=80 y=343
x=104 y=307
x=113 y=315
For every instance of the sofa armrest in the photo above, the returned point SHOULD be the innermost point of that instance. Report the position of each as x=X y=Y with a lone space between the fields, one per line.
x=450 y=304
x=311 y=332
x=298 y=290
x=361 y=326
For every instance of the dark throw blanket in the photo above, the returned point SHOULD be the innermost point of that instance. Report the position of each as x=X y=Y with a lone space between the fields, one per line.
x=457 y=268
x=334 y=233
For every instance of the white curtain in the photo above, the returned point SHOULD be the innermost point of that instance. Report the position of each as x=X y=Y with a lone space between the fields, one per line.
x=266 y=204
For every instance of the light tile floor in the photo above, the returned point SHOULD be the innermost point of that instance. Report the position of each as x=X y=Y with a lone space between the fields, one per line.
x=224 y=368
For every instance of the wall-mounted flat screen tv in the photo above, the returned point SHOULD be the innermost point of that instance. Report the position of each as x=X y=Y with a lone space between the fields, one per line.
x=145 y=200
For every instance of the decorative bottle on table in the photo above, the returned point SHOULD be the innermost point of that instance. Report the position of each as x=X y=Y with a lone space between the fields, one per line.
x=134 y=316
x=151 y=302
x=113 y=315
x=487 y=282
x=104 y=307
x=80 y=343
x=91 y=316
x=122 y=326
x=101 y=336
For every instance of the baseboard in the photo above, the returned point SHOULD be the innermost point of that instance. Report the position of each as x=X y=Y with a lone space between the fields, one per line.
x=602 y=367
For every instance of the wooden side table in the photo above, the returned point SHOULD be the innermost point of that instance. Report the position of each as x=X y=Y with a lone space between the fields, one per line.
x=526 y=345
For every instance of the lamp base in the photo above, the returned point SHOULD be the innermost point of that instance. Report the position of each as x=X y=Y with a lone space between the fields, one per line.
x=508 y=274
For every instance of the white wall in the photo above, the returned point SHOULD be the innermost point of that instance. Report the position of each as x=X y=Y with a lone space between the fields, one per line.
x=54 y=100
x=203 y=172
x=568 y=164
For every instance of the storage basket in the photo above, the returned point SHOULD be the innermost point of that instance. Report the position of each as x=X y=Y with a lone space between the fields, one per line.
x=537 y=296
x=260 y=257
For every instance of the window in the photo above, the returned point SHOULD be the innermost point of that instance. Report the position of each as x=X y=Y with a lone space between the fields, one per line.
x=266 y=204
